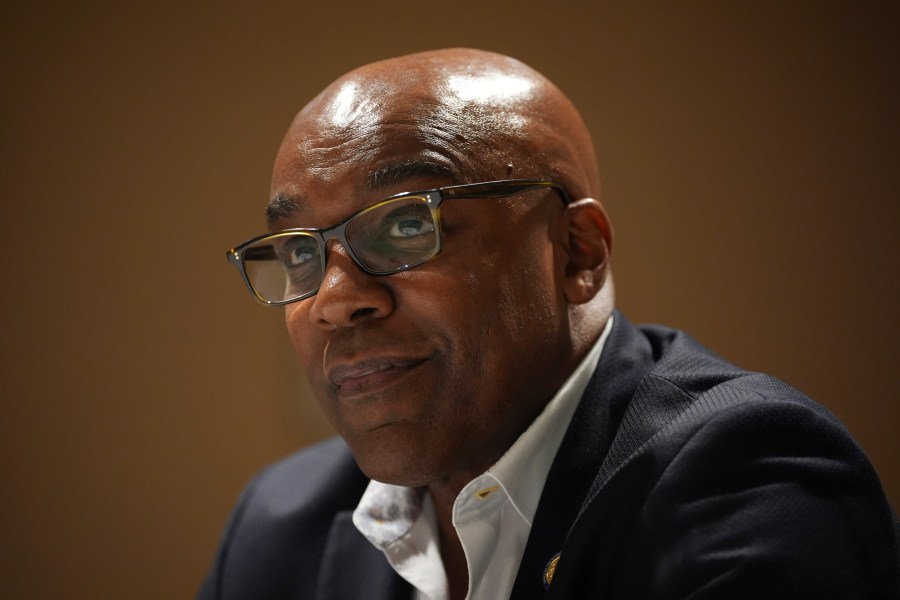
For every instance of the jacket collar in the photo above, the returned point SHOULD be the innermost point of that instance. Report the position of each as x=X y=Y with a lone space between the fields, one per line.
x=627 y=358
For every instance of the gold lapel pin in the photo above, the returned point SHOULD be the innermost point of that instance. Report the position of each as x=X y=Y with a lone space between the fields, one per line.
x=550 y=569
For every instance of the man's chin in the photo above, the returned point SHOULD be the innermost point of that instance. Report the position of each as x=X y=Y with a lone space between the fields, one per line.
x=394 y=461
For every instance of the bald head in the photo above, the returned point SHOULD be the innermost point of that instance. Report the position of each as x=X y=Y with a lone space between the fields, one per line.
x=477 y=115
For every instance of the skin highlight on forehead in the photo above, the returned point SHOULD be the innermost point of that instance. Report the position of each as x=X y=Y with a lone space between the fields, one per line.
x=460 y=91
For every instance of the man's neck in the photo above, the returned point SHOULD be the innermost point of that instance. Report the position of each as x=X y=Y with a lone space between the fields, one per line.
x=443 y=496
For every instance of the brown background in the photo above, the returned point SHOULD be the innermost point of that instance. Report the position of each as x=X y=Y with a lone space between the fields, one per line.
x=749 y=154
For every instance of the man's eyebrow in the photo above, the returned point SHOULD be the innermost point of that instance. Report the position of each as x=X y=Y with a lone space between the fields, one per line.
x=396 y=174
x=283 y=207
x=391 y=175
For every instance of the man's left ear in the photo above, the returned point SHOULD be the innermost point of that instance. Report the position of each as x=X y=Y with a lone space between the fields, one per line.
x=587 y=241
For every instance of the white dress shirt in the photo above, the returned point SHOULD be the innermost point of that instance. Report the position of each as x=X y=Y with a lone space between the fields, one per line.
x=492 y=514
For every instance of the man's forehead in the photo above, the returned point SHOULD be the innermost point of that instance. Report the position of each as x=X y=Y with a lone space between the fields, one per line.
x=452 y=116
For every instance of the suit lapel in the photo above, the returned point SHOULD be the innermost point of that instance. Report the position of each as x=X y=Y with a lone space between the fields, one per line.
x=353 y=568
x=626 y=358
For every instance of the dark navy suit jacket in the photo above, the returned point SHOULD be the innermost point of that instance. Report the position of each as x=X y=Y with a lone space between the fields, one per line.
x=681 y=476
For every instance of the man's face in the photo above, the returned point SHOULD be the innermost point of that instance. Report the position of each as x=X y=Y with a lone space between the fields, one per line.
x=429 y=374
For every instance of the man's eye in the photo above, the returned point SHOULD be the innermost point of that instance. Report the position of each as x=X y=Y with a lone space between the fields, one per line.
x=301 y=255
x=407 y=222
x=295 y=255
x=409 y=227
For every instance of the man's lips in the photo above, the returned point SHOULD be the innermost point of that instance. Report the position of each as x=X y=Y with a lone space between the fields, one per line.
x=368 y=373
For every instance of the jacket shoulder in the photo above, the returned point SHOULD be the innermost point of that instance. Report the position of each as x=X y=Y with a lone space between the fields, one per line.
x=730 y=482
x=280 y=525
x=320 y=477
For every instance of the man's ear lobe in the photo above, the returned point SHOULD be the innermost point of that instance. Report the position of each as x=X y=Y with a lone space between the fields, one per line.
x=588 y=240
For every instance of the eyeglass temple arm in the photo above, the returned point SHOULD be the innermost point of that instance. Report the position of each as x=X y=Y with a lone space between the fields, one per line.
x=499 y=189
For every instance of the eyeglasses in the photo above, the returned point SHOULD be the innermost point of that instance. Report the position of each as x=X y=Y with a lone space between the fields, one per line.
x=396 y=234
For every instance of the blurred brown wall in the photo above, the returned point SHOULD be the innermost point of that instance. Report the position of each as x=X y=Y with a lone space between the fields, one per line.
x=749 y=154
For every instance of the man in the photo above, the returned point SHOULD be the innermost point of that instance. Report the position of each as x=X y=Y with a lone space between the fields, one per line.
x=443 y=259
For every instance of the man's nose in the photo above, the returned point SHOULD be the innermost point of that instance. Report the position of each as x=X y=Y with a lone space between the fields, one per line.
x=348 y=295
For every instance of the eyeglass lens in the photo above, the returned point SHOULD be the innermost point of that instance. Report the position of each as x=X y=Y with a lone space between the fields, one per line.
x=391 y=236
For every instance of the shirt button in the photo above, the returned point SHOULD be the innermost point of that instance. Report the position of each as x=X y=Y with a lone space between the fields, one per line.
x=484 y=493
